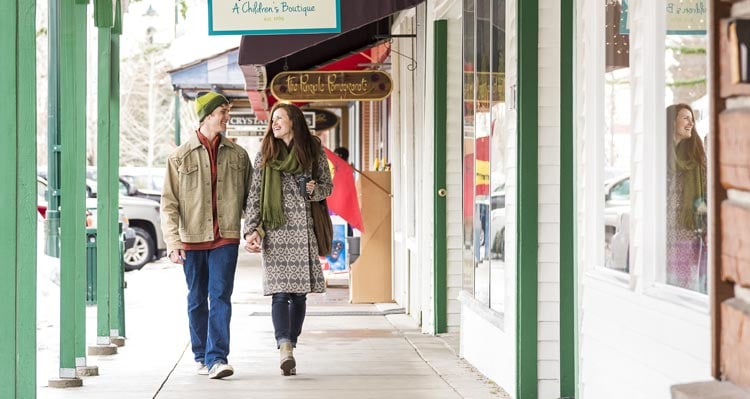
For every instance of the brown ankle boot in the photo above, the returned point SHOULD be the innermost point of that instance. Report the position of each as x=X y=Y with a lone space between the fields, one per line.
x=286 y=356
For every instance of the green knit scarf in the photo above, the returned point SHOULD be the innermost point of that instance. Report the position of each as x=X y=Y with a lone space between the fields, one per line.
x=693 y=188
x=271 y=196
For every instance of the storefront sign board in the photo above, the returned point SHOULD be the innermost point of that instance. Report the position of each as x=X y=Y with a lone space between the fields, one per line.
x=252 y=17
x=331 y=85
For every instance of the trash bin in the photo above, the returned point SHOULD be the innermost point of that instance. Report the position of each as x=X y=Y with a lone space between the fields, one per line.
x=91 y=266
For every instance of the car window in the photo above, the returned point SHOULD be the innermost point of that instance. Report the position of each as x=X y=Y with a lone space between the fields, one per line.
x=621 y=190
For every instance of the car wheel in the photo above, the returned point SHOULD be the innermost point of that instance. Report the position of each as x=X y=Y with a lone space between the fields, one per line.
x=142 y=252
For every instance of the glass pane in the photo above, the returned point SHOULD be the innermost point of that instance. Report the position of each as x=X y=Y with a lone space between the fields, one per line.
x=686 y=128
x=617 y=129
x=482 y=124
x=498 y=161
x=468 y=147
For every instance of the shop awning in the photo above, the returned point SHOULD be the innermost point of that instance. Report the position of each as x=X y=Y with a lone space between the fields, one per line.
x=218 y=72
x=364 y=23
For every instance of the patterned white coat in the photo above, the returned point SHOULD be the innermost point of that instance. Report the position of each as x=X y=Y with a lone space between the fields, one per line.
x=290 y=252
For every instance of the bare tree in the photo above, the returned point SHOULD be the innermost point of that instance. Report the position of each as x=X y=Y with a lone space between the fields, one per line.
x=147 y=108
x=42 y=62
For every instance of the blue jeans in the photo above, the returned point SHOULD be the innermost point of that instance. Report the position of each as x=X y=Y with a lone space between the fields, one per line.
x=483 y=210
x=210 y=281
x=288 y=314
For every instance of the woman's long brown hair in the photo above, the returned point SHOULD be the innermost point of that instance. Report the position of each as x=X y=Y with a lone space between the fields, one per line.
x=305 y=144
x=696 y=151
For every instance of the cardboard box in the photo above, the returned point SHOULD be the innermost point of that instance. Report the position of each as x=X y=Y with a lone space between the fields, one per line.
x=370 y=276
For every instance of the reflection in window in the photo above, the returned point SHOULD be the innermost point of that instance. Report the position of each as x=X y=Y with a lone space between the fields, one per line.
x=686 y=129
x=686 y=196
x=484 y=155
x=468 y=147
x=482 y=95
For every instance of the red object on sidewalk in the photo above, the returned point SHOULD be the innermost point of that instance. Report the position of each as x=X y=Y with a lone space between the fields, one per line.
x=343 y=200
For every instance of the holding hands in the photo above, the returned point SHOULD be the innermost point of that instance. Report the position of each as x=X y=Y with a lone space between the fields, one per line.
x=253 y=242
x=310 y=186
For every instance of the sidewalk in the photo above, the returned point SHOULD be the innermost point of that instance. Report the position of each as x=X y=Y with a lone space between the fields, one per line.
x=345 y=351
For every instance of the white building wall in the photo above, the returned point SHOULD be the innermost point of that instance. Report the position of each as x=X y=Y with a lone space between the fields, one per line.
x=549 y=200
x=637 y=337
x=426 y=170
x=403 y=172
x=452 y=11
x=413 y=224
x=401 y=95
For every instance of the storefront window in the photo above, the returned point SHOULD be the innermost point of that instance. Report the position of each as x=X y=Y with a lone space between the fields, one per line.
x=485 y=134
x=468 y=146
x=686 y=110
x=686 y=129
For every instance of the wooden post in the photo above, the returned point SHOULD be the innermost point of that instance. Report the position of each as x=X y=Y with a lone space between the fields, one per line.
x=18 y=196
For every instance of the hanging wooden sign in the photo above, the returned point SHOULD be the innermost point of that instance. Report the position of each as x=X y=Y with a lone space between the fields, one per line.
x=306 y=86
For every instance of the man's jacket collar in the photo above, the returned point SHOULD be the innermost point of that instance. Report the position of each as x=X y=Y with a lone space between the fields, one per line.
x=194 y=142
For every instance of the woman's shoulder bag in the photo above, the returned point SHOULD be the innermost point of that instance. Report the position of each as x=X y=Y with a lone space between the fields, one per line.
x=322 y=225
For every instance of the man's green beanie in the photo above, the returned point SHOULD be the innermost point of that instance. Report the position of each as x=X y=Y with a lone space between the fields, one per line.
x=206 y=103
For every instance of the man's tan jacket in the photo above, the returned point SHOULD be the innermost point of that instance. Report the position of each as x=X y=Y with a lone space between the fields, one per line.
x=186 y=212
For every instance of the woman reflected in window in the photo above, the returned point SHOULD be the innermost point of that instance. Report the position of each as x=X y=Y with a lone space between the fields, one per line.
x=686 y=196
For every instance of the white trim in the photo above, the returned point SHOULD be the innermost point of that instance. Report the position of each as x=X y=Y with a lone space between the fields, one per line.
x=593 y=125
x=619 y=279
x=493 y=317
x=692 y=300
x=649 y=170
x=67 y=372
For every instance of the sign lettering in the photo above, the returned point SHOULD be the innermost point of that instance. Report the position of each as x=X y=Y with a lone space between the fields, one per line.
x=326 y=86
x=257 y=17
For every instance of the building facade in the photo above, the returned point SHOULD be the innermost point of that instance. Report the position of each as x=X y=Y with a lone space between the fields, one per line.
x=563 y=276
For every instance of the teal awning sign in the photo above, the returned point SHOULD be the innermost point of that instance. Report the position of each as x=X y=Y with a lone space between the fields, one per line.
x=684 y=17
x=232 y=17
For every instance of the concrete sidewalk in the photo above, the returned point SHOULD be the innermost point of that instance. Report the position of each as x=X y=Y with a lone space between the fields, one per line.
x=345 y=351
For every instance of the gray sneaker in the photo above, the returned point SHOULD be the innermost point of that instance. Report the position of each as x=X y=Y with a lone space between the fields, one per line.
x=220 y=370
x=201 y=368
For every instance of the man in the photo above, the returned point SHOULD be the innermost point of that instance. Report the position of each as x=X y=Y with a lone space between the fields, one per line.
x=343 y=153
x=205 y=189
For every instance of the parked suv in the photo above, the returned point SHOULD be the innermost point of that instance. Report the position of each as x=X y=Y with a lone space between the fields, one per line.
x=144 y=218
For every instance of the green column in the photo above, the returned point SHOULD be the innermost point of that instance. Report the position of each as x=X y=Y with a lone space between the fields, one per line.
x=440 y=112
x=73 y=192
x=52 y=220
x=527 y=200
x=18 y=196
x=116 y=297
x=107 y=242
x=568 y=294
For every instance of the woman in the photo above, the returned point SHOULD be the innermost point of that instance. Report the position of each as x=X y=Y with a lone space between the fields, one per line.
x=686 y=195
x=278 y=221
